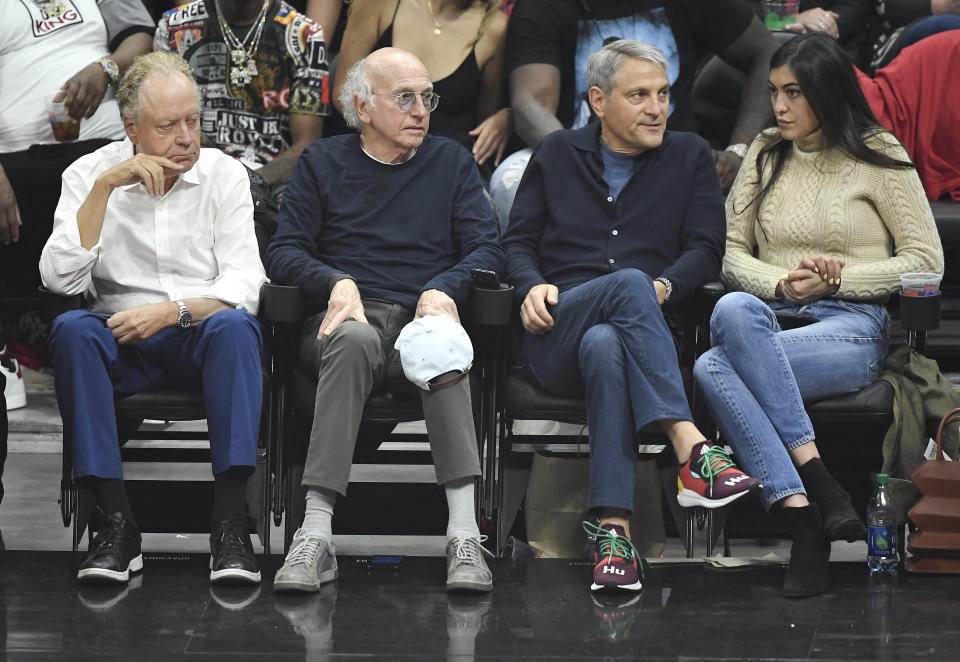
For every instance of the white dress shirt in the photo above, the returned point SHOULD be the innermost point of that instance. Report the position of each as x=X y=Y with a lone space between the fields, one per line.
x=197 y=240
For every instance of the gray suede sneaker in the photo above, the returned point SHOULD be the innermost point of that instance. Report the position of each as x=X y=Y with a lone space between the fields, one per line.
x=310 y=563
x=466 y=568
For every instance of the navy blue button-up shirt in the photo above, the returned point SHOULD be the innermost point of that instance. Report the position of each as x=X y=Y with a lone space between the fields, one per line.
x=566 y=229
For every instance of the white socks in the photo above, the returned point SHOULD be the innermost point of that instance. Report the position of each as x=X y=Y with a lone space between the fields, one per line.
x=319 y=516
x=462 y=520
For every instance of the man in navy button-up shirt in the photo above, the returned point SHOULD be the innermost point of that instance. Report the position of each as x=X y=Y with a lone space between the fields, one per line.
x=610 y=223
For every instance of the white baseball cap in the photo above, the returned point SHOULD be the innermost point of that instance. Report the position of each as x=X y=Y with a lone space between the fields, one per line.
x=431 y=346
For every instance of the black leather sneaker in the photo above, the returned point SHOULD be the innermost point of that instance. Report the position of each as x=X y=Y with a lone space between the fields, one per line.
x=115 y=552
x=231 y=553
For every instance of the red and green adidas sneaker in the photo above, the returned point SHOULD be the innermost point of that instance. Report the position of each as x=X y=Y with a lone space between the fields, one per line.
x=711 y=479
x=617 y=565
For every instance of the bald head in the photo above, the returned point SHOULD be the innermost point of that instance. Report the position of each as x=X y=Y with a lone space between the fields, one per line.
x=386 y=64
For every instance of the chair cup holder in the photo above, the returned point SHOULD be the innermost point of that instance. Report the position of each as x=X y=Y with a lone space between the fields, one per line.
x=920 y=313
x=491 y=307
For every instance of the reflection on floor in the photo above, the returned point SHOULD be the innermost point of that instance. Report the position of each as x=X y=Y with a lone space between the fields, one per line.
x=538 y=610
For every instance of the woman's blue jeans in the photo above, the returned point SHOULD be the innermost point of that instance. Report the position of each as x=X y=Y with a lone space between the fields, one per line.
x=611 y=345
x=756 y=377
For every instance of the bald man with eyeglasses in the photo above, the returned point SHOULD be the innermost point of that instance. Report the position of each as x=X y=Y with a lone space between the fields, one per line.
x=377 y=230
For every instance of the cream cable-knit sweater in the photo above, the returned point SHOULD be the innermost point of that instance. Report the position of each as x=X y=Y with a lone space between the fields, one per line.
x=875 y=219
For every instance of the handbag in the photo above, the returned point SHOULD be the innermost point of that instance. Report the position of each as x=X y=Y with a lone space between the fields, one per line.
x=936 y=547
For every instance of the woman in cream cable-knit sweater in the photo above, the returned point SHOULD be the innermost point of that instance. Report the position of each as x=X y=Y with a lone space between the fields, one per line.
x=825 y=215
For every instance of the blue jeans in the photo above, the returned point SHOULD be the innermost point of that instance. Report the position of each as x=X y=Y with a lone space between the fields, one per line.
x=756 y=377
x=611 y=344
x=220 y=356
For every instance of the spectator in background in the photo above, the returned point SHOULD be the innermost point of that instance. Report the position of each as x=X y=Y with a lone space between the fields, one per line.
x=263 y=70
x=327 y=14
x=41 y=44
x=905 y=22
x=470 y=34
x=917 y=97
x=844 y=20
x=873 y=32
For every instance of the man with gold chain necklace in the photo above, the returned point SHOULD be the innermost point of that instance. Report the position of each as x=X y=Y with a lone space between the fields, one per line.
x=262 y=67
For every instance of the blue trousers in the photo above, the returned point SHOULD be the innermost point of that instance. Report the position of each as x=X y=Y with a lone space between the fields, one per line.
x=756 y=377
x=220 y=356
x=611 y=344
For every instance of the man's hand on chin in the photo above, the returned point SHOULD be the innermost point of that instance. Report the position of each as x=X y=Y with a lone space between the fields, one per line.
x=140 y=322
x=435 y=302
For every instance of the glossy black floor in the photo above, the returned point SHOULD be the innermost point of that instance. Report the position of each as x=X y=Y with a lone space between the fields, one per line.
x=539 y=610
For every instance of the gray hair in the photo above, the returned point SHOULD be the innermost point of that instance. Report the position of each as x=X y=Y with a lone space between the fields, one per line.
x=157 y=63
x=603 y=65
x=357 y=84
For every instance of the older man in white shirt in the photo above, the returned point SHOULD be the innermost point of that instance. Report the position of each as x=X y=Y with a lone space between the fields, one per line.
x=158 y=234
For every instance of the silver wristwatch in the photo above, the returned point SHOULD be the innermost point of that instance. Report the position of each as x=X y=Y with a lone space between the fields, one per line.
x=185 y=319
x=740 y=149
x=667 y=284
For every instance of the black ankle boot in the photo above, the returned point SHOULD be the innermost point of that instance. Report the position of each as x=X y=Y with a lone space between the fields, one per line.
x=807 y=573
x=840 y=518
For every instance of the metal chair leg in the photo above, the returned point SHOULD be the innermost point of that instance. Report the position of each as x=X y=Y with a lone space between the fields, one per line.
x=709 y=533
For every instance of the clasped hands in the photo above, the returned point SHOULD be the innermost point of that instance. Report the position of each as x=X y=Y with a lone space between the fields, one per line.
x=345 y=303
x=815 y=277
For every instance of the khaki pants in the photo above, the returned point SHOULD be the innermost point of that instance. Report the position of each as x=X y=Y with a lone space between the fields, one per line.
x=351 y=363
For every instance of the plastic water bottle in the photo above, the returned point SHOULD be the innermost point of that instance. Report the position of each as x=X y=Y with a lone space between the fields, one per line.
x=881 y=530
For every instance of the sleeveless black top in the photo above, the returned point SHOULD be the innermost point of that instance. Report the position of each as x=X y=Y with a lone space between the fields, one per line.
x=459 y=94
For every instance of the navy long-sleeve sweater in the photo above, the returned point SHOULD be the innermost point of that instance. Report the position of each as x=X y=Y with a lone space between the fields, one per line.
x=397 y=230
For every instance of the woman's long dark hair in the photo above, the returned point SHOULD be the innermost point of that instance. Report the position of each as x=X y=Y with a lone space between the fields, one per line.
x=828 y=83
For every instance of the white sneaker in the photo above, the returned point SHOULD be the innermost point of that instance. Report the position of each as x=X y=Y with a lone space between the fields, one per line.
x=15 y=391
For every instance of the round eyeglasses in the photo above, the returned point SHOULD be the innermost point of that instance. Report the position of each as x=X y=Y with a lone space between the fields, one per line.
x=407 y=100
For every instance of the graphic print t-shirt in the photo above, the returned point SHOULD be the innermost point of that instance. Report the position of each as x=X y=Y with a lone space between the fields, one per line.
x=564 y=33
x=252 y=122
x=42 y=45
